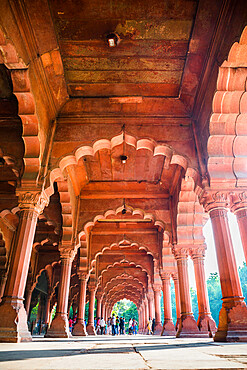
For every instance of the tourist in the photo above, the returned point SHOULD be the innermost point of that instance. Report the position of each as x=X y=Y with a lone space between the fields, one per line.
x=134 y=327
x=130 y=326
x=121 y=325
x=149 y=326
x=102 y=326
x=117 y=325
x=109 y=326
x=153 y=325
x=113 y=324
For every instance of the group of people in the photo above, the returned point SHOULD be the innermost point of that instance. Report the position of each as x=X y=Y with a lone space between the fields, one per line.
x=114 y=325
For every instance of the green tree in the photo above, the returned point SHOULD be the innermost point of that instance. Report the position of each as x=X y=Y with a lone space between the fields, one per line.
x=126 y=309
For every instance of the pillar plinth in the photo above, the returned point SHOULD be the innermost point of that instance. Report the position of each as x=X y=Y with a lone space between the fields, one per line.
x=168 y=326
x=158 y=325
x=13 y=325
x=60 y=325
x=90 y=325
x=205 y=322
x=80 y=328
x=187 y=326
x=233 y=314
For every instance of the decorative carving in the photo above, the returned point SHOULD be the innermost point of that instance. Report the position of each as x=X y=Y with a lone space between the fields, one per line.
x=82 y=275
x=32 y=200
x=180 y=252
x=198 y=253
x=212 y=200
x=67 y=253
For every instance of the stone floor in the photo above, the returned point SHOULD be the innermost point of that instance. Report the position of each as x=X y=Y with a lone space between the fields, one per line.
x=122 y=352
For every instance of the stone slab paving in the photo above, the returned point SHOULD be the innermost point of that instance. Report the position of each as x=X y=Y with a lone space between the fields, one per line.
x=122 y=352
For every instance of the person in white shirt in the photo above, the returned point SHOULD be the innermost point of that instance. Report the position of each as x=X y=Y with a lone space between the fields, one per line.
x=113 y=324
x=102 y=326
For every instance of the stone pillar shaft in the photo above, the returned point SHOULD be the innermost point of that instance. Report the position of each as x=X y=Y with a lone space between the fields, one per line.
x=158 y=326
x=79 y=328
x=15 y=328
x=233 y=315
x=90 y=325
x=177 y=298
x=168 y=326
x=241 y=215
x=60 y=325
x=205 y=321
x=187 y=325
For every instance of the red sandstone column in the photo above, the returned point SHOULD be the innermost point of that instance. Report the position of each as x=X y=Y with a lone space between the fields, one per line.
x=168 y=326
x=141 y=324
x=60 y=326
x=27 y=301
x=47 y=309
x=146 y=315
x=177 y=298
x=233 y=314
x=157 y=294
x=3 y=272
x=14 y=327
x=205 y=322
x=99 y=302
x=239 y=208
x=80 y=328
x=241 y=215
x=151 y=304
x=90 y=325
x=187 y=326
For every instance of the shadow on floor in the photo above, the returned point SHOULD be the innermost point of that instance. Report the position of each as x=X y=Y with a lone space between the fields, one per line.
x=16 y=355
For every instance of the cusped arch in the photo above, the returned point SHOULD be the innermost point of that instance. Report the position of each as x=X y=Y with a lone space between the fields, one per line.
x=137 y=212
x=118 y=264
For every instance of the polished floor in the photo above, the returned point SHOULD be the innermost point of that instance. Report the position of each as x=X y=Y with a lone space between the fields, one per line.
x=122 y=352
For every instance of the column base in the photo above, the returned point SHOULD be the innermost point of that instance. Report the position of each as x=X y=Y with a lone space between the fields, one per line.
x=168 y=328
x=80 y=329
x=13 y=325
x=188 y=328
x=206 y=324
x=158 y=328
x=232 y=322
x=91 y=329
x=59 y=327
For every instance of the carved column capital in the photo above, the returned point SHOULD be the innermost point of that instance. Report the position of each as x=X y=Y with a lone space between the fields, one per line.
x=32 y=200
x=238 y=203
x=198 y=253
x=91 y=287
x=212 y=200
x=165 y=276
x=82 y=275
x=180 y=253
x=67 y=252
x=99 y=296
